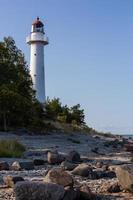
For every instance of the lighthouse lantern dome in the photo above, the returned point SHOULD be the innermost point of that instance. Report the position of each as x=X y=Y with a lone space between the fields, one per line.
x=37 y=26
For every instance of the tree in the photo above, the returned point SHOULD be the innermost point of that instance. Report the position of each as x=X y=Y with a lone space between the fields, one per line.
x=16 y=94
x=77 y=114
x=13 y=68
x=53 y=108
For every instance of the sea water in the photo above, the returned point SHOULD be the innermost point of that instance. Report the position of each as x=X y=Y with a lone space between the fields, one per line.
x=128 y=136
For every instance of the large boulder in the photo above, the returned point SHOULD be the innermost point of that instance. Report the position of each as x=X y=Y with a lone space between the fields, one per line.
x=55 y=157
x=73 y=156
x=124 y=174
x=25 y=165
x=4 y=165
x=38 y=191
x=82 y=170
x=10 y=181
x=59 y=176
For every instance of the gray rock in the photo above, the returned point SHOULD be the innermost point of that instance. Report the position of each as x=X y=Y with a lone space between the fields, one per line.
x=38 y=191
x=124 y=174
x=55 y=158
x=74 y=156
x=68 y=165
x=10 y=181
x=17 y=166
x=82 y=170
x=59 y=176
x=4 y=165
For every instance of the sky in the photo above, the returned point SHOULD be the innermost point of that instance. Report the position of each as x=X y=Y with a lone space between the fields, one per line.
x=89 y=59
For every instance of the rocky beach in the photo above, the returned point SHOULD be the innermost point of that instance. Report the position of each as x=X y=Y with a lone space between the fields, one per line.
x=68 y=167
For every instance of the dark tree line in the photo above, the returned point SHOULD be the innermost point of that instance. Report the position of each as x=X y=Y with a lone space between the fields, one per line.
x=18 y=105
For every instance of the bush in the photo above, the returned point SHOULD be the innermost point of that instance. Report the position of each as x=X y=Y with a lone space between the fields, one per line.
x=39 y=126
x=11 y=148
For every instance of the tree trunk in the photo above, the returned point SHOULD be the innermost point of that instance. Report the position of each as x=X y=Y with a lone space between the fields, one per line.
x=5 y=121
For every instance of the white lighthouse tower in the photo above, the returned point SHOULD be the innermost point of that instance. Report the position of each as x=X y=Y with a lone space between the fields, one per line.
x=37 y=40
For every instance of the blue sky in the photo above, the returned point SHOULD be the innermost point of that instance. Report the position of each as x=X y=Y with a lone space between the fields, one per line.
x=90 y=56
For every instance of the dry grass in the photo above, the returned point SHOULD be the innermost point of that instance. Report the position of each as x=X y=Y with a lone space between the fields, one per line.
x=11 y=148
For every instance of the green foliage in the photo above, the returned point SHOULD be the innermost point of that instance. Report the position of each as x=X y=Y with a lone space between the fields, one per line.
x=55 y=111
x=11 y=148
x=13 y=69
x=53 y=108
x=77 y=114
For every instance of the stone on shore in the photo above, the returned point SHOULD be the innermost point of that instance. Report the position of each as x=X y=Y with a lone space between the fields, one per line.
x=17 y=166
x=125 y=176
x=54 y=157
x=59 y=176
x=38 y=191
x=82 y=170
x=73 y=156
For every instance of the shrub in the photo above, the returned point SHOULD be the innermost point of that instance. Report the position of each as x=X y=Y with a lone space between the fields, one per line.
x=39 y=126
x=11 y=148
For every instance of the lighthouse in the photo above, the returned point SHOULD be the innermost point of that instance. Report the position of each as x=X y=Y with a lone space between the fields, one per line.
x=37 y=40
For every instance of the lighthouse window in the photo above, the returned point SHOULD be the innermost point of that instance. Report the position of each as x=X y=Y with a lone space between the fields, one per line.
x=34 y=54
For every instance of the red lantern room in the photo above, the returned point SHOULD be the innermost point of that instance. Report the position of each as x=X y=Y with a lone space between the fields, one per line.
x=37 y=26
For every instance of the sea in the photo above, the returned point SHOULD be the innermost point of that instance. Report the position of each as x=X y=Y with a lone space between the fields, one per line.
x=128 y=136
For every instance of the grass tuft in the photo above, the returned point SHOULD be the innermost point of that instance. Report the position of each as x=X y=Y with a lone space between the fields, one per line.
x=11 y=148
